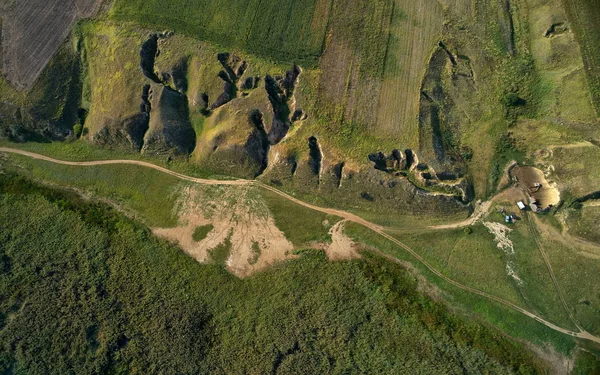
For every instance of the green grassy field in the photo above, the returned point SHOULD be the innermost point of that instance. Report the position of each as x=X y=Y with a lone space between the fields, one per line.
x=145 y=193
x=95 y=292
x=284 y=31
x=473 y=258
x=578 y=276
x=584 y=223
x=513 y=323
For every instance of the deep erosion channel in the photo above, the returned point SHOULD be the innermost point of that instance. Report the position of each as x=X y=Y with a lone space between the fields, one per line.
x=582 y=334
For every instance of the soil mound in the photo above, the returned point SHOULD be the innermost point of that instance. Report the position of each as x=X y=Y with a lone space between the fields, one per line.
x=533 y=182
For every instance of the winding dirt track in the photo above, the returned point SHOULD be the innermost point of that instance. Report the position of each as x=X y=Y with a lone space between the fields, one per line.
x=343 y=214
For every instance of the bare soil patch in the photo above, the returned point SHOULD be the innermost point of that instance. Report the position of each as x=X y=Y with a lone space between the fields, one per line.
x=341 y=247
x=234 y=213
x=533 y=182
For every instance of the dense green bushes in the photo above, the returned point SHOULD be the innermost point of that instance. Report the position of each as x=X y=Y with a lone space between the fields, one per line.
x=85 y=290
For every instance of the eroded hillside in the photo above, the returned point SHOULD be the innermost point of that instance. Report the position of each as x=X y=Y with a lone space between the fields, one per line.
x=383 y=107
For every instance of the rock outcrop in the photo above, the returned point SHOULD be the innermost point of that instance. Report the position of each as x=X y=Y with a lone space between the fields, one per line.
x=233 y=69
x=170 y=131
x=129 y=131
x=281 y=96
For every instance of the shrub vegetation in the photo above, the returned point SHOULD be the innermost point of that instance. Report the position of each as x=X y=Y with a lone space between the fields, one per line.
x=83 y=289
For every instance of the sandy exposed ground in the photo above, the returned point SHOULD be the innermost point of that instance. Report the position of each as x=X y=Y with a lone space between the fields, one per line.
x=504 y=243
x=548 y=195
x=341 y=247
x=235 y=217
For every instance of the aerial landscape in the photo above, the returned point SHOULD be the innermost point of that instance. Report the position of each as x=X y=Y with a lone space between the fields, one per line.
x=300 y=187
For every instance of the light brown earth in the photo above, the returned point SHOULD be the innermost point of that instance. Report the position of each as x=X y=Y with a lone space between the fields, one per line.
x=582 y=334
x=233 y=215
x=526 y=178
x=415 y=30
x=341 y=247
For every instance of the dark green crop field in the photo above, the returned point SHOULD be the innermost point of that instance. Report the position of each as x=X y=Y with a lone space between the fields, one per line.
x=85 y=290
x=284 y=30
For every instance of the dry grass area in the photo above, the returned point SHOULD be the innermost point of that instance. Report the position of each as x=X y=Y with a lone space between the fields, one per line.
x=415 y=29
x=32 y=31
x=559 y=62
x=583 y=14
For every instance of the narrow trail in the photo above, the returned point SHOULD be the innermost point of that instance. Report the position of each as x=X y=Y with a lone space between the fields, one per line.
x=571 y=145
x=536 y=237
x=481 y=209
x=343 y=214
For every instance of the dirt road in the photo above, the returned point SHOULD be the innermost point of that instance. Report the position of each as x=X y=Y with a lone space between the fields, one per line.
x=343 y=214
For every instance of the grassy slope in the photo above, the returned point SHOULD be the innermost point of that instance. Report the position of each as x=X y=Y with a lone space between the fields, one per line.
x=583 y=15
x=584 y=223
x=112 y=71
x=284 y=31
x=94 y=292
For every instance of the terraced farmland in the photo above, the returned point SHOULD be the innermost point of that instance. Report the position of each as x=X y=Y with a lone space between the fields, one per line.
x=32 y=31
x=289 y=30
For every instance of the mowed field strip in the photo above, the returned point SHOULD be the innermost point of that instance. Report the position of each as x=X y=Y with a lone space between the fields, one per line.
x=582 y=334
x=415 y=30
